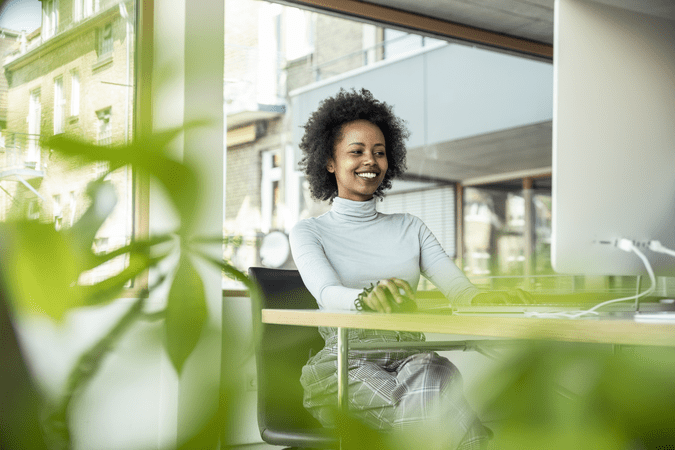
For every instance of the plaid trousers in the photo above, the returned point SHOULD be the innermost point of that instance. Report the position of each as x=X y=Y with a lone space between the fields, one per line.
x=394 y=390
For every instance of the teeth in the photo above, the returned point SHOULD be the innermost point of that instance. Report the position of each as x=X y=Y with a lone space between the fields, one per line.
x=367 y=175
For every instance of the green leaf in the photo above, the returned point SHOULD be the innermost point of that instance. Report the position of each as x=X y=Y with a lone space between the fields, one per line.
x=227 y=269
x=148 y=154
x=110 y=288
x=141 y=247
x=41 y=268
x=185 y=313
x=103 y=201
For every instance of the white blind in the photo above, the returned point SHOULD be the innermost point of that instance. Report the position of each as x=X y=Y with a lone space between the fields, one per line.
x=436 y=208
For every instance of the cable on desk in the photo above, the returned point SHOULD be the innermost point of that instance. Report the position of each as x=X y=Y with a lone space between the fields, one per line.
x=627 y=246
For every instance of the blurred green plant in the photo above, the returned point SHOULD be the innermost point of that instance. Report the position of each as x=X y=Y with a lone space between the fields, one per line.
x=42 y=269
x=558 y=395
x=545 y=396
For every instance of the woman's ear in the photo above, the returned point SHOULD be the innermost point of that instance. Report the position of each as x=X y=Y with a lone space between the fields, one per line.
x=330 y=166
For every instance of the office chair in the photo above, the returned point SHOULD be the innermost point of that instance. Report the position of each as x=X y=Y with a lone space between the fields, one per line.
x=281 y=352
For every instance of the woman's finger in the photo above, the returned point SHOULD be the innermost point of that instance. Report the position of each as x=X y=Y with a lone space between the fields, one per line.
x=379 y=300
x=392 y=286
x=406 y=287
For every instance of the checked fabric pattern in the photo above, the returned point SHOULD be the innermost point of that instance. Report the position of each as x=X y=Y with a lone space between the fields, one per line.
x=394 y=390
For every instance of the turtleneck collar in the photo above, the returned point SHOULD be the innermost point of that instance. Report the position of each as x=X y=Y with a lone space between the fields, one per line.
x=354 y=211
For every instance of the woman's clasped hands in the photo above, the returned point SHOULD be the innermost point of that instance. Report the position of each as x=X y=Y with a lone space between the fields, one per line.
x=392 y=295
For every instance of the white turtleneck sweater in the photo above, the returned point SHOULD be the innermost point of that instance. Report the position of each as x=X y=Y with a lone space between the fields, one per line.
x=346 y=249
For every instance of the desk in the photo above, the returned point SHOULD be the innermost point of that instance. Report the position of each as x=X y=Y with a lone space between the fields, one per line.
x=592 y=330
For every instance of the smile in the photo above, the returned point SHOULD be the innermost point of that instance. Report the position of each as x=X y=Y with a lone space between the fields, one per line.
x=368 y=175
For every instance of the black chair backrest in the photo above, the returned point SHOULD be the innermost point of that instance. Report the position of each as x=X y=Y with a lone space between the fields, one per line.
x=282 y=351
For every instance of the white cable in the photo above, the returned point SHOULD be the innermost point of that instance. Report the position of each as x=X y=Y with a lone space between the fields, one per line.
x=656 y=246
x=625 y=245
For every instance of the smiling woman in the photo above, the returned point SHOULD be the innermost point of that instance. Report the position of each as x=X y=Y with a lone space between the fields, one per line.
x=354 y=146
x=347 y=120
x=360 y=160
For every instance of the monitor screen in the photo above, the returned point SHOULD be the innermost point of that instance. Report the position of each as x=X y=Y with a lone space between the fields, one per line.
x=613 y=138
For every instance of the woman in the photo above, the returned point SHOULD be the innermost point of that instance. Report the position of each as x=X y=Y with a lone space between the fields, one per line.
x=353 y=147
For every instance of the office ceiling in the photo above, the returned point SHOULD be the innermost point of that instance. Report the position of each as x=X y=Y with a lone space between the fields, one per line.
x=506 y=24
x=521 y=150
x=527 y=19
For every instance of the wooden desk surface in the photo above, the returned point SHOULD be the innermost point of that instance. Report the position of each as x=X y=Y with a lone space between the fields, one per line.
x=592 y=330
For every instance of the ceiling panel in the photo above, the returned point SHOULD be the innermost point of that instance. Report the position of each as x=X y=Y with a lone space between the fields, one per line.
x=511 y=150
x=528 y=19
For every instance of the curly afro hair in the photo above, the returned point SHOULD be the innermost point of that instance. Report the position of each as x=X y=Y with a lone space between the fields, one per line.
x=324 y=127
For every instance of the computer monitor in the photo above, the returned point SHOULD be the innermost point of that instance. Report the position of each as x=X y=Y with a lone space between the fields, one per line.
x=613 y=136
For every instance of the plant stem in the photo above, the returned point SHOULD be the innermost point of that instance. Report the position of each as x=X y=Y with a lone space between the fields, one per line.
x=56 y=421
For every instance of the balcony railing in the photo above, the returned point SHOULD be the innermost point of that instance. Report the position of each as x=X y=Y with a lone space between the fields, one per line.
x=20 y=155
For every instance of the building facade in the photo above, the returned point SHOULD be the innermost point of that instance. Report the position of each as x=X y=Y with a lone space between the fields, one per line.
x=72 y=76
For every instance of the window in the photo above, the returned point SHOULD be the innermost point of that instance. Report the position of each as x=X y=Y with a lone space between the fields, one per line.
x=105 y=41
x=507 y=230
x=57 y=212
x=104 y=129
x=33 y=209
x=270 y=190
x=74 y=93
x=316 y=55
x=78 y=101
x=50 y=18
x=104 y=138
x=72 y=204
x=83 y=9
x=59 y=106
x=298 y=39
x=34 y=120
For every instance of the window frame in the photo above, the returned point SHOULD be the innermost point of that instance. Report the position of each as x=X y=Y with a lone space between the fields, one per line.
x=104 y=41
x=59 y=106
x=74 y=93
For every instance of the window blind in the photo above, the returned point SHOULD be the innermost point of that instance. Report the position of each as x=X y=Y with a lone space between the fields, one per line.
x=436 y=208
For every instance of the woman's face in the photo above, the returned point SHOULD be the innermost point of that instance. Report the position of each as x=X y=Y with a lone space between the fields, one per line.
x=359 y=160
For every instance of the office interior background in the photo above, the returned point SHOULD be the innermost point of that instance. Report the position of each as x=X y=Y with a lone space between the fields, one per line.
x=479 y=175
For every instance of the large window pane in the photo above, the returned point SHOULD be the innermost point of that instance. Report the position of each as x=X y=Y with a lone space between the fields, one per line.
x=281 y=61
x=84 y=89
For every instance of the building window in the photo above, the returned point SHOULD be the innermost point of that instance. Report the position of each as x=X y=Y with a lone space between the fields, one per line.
x=104 y=129
x=270 y=190
x=77 y=10
x=74 y=93
x=299 y=33
x=105 y=41
x=59 y=106
x=72 y=204
x=50 y=18
x=33 y=210
x=83 y=9
x=58 y=213
x=104 y=137
x=34 y=120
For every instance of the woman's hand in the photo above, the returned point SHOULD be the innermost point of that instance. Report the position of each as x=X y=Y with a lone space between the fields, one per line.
x=387 y=291
x=509 y=297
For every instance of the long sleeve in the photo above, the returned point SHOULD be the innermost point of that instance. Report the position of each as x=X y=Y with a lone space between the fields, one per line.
x=345 y=250
x=317 y=272
x=439 y=268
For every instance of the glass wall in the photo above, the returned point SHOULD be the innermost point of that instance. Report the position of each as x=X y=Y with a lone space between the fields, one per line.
x=281 y=61
x=507 y=233
x=85 y=90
